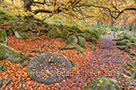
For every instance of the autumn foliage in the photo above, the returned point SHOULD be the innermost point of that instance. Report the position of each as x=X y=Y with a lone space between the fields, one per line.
x=71 y=12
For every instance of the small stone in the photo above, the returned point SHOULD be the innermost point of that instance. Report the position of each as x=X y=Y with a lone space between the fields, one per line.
x=72 y=39
x=82 y=41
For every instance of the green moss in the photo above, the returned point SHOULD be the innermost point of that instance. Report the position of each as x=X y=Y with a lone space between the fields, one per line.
x=82 y=41
x=130 y=52
x=1 y=58
x=93 y=47
x=68 y=46
x=3 y=37
x=97 y=35
x=121 y=47
x=80 y=50
x=24 y=35
x=77 y=29
x=11 y=54
x=54 y=33
x=64 y=34
x=72 y=39
x=104 y=84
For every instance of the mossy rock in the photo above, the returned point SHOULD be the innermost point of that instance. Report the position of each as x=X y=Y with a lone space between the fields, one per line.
x=81 y=34
x=121 y=47
x=81 y=41
x=125 y=40
x=103 y=83
x=2 y=67
x=22 y=35
x=80 y=50
x=117 y=39
x=93 y=47
x=54 y=33
x=26 y=35
x=68 y=46
x=17 y=34
x=11 y=54
x=131 y=71
x=120 y=43
x=128 y=45
x=3 y=37
x=72 y=39
x=49 y=67
x=130 y=52
x=77 y=29
x=64 y=34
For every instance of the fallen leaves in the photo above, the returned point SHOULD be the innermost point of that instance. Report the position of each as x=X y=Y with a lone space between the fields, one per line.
x=19 y=73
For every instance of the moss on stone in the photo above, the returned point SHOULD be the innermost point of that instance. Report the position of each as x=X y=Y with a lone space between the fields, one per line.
x=121 y=47
x=68 y=46
x=26 y=35
x=54 y=33
x=82 y=41
x=64 y=34
x=22 y=35
x=3 y=37
x=11 y=54
x=130 y=52
x=72 y=39
x=104 y=84
x=80 y=50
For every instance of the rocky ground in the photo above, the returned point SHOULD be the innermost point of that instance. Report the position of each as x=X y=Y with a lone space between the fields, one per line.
x=106 y=61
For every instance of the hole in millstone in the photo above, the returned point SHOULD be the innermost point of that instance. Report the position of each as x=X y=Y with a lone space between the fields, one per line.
x=51 y=63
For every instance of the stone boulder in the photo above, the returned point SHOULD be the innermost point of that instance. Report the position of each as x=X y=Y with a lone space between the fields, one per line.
x=11 y=54
x=103 y=83
x=3 y=37
x=72 y=39
x=22 y=35
x=68 y=46
x=49 y=67
x=64 y=34
x=81 y=41
x=121 y=47
x=54 y=33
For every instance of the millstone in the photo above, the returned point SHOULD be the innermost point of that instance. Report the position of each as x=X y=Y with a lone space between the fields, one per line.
x=50 y=68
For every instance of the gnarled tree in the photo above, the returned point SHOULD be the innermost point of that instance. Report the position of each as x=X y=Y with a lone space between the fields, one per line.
x=77 y=12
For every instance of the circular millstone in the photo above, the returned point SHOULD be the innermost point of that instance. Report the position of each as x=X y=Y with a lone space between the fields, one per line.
x=50 y=68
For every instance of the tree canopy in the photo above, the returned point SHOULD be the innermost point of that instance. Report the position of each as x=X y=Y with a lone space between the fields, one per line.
x=69 y=12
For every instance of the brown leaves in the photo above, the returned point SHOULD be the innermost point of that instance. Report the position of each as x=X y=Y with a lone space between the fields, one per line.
x=85 y=66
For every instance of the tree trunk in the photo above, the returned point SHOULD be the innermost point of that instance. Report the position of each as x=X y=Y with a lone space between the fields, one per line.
x=27 y=4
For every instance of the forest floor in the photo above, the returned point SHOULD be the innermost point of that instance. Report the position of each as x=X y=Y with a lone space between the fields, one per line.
x=106 y=61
